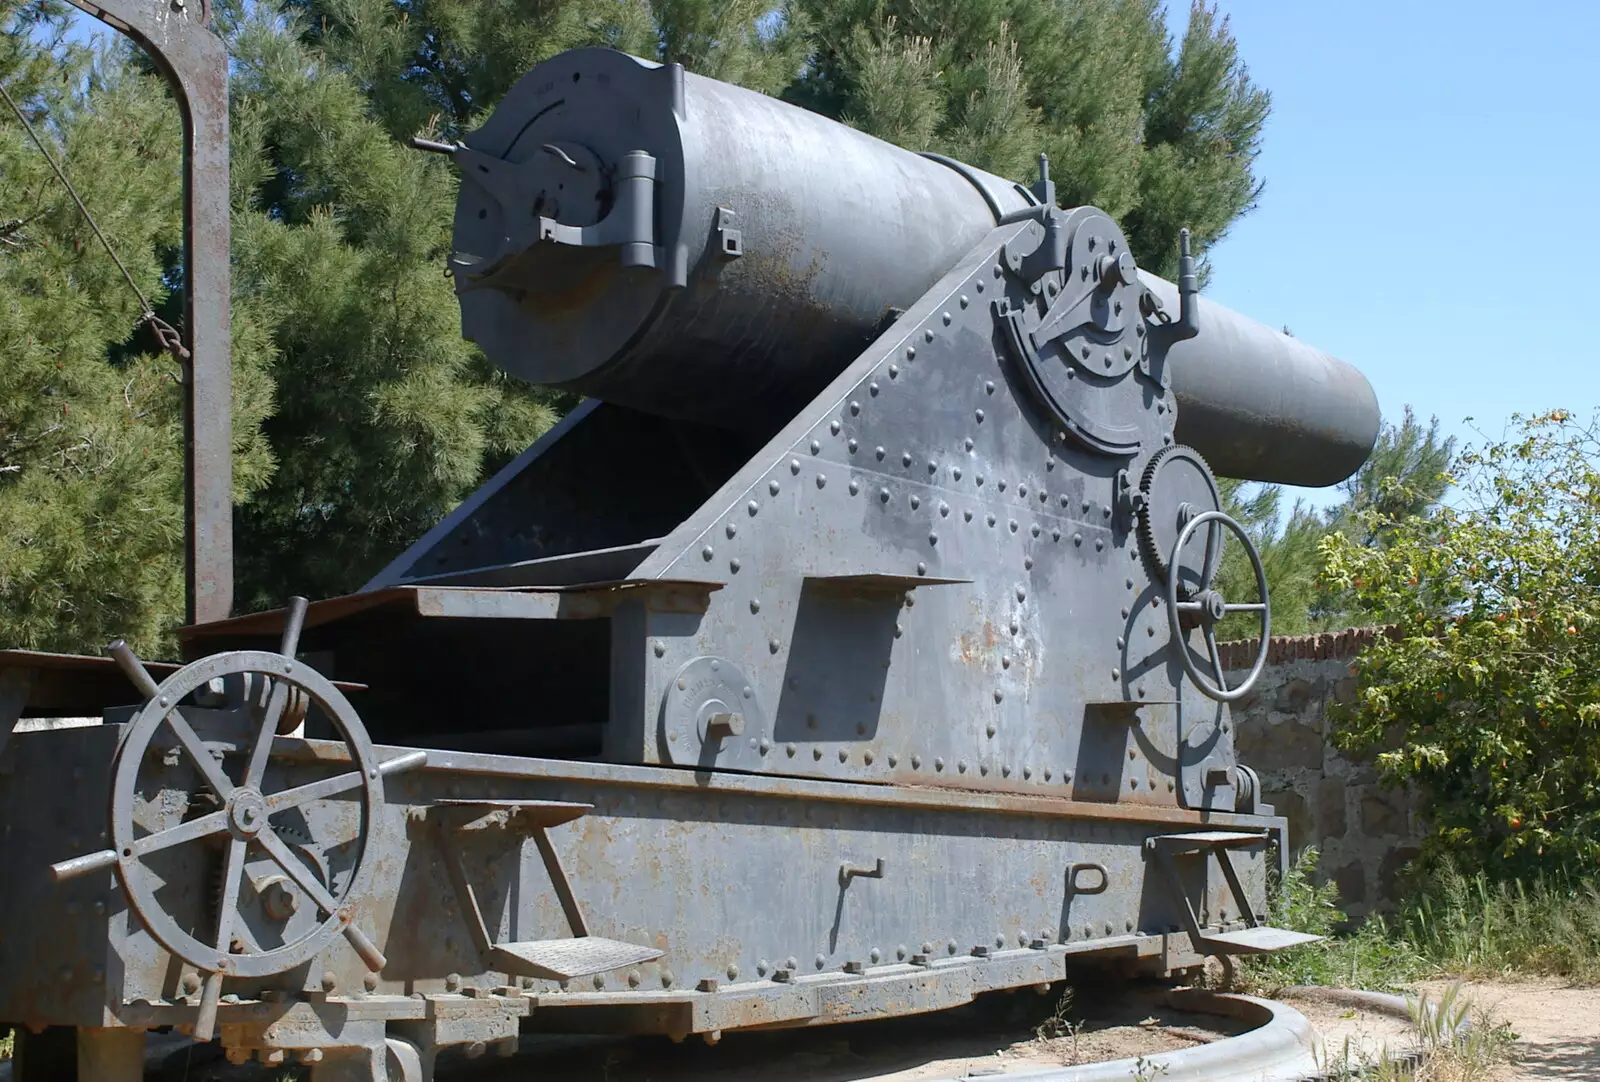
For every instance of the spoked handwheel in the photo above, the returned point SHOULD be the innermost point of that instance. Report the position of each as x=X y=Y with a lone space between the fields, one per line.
x=243 y=815
x=1206 y=607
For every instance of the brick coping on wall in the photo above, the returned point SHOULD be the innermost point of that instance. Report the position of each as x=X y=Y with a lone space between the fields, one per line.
x=1328 y=646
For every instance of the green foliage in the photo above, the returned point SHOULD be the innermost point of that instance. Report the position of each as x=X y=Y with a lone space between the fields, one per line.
x=1161 y=135
x=91 y=513
x=1488 y=696
x=386 y=417
x=1472 y=926
x=1367 y=957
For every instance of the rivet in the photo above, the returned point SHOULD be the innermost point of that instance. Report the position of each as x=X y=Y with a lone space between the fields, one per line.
x=968 y=443
x=789 y=750
x=989 y=729
x=1034 y=529
x=988 y=386
x=1085 y=353
x=833 y=426
x=979 y=415
x=844 y=755
x=1000 y=485
x=944 y=509
x=855 y=407
x=1077 y=539
x=1127 y=352
x=979 y=285
x=1063 y=499
x=854 y=486
x=1014 y=627
x=816 y=447
x=922 y=568
x=898 y=630
x=967 y=514
x=822 y=480
x=1084 y=507
x=1105 y=512
x=947 y=318
x=928 y=334
x=761 y=967
x=911 y=353
x=1027 y=772
x=1140 y=691
x=900 y=952
x=816 y=753
x=938 y=764
x=772 y=487
x=1124 y=614
x=894 y=371
x=683 y=684
x=1099 y=544
x=1116 y=674
x=1005 y=770
x=999 y=695
x=731 y=530
x=990 y=518
x=708 y=552
x=163 y=701
x=916 y=501
x=1107 y=360
x=983 y=768
x=1120 y=643
x=734 y=565
x=794 y=465
x=894 y=760
x=867 y=757
x=883 y=495
x=905 y=458
x=1047 y=772
x=755 y=604
x=933 y=539
x=660 y=647
x=1012 y=523
x=1055 y=533
x=765 y=746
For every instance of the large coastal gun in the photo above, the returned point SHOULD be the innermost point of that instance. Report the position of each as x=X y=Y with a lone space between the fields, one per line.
x=849 y=651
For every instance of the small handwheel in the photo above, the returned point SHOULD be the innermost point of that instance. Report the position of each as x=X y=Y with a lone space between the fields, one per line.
x=1207 y=607
x=244 y=813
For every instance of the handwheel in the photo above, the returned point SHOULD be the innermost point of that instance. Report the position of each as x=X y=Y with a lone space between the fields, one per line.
x=245 y=813
x=1207 y=606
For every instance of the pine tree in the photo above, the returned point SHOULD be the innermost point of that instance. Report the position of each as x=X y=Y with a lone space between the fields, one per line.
x=91 y=467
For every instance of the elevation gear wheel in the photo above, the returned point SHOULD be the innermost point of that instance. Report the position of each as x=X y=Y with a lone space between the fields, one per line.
x=1177 y=486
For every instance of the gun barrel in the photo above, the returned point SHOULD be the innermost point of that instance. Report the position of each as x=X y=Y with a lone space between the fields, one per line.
x=689 y=248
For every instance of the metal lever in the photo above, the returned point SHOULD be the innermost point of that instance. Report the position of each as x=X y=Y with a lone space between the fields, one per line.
x=850 y=871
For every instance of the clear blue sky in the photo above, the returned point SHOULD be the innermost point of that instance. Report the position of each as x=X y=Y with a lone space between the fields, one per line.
x=1432 y=202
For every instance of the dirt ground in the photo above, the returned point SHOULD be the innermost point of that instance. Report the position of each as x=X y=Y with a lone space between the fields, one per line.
x=1558 y=1026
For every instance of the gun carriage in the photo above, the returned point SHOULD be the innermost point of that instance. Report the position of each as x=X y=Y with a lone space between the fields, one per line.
x=848 y=652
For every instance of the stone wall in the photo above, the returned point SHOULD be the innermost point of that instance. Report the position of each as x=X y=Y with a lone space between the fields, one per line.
x=1364 y=831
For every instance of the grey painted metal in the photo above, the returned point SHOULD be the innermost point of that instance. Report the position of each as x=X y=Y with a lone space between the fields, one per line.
x=1266 y=406
x=837 y=232
x=836 y=229
x=194 y=62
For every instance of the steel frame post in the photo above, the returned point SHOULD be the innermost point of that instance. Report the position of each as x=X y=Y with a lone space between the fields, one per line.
x=195 y=64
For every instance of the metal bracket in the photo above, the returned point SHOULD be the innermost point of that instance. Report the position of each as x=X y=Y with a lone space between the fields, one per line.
x=730 y=242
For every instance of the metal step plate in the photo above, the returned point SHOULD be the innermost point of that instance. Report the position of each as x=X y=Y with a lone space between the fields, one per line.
x=1208 y=839
x=565 y=959
x=1255 y=941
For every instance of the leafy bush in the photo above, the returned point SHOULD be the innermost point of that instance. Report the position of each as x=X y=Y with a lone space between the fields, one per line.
x=1487 y=696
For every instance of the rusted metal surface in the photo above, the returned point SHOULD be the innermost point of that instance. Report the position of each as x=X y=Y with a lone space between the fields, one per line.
x=195 y=65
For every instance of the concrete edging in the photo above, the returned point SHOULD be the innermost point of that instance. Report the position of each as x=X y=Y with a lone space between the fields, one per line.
x=1282 y=1048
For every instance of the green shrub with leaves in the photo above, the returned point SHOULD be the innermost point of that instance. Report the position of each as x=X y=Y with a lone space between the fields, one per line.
x=1487 y=696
